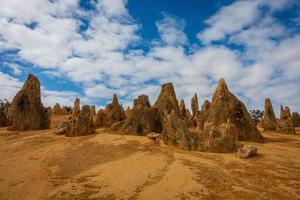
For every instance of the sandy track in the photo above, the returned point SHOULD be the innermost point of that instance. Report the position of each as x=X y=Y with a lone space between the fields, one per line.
x=41 y=165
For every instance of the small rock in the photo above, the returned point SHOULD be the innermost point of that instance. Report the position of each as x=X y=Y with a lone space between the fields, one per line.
x=246 y=151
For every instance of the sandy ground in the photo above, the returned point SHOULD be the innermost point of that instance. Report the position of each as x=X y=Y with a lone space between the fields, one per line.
x=41 y=165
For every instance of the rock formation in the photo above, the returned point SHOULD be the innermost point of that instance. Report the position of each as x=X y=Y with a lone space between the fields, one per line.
x=194 y=106
x=227 y=117
x=81 y=121
x=285 y=112
x=175 y=132
x=166 y=102
x=114 y=112
x=182 y=110
x=203 y=114
x=3 y=119
x=142 y=118
x=58 y=110
x=269 y=120
x=296 y=119
x=100 y=118
x=27 y=108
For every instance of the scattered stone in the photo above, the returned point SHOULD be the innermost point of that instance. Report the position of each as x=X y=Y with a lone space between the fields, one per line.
x=246 y=151
x=114 y=112
x=269 y=119
x=27 y=108
x=220 y=139
x=226 y=105
x=175 y=132
x=81 y=122
x=154 y=136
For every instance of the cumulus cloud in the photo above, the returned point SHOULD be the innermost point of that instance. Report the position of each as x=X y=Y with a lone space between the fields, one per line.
x=99 y=57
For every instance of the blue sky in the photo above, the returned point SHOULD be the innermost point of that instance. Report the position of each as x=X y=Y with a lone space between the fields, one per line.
x=92 y=49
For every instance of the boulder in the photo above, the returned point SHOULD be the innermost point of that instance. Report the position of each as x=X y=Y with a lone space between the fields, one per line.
x=142 y=118
x=27 y=108
x=246 y=151
x=285 y=123
x=175 y=132
x=296 y=119
x=114 y=112
x=166 y=102
x=81 y=121
x=269 y=119
x=62 y=128
x=182 y=110
x=220 y=139
x=226 y=105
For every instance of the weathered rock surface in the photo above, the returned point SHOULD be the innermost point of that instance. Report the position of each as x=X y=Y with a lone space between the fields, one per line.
x=166 y=102
x=182 y=110
x=226 y=106
x=296 y=119
x=58 y=110
x=269 y=119
x=285 y=123
x=220 y=139
x=27 y=108
x=114 y=112
x=246 y=151
x=142 y=118
x=81 y=122
x=175 y=132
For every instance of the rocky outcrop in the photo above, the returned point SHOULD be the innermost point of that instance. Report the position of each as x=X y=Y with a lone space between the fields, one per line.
x=81 y=121
x=296 y=119
x=142 y=118
x=246 y=151
x=175 y=132
x=182 y=110
x=226 y=106
x=166 y=102
x=27 y=108
x=114 y=112
x=58 y=110
x=222 y=138
x=269 y=120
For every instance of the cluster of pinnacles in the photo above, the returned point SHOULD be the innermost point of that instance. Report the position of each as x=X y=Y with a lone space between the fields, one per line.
x=219 y=125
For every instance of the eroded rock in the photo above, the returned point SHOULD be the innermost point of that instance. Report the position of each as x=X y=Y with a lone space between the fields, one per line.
x=27 y=108
x=269 y=119
x=246 y=151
